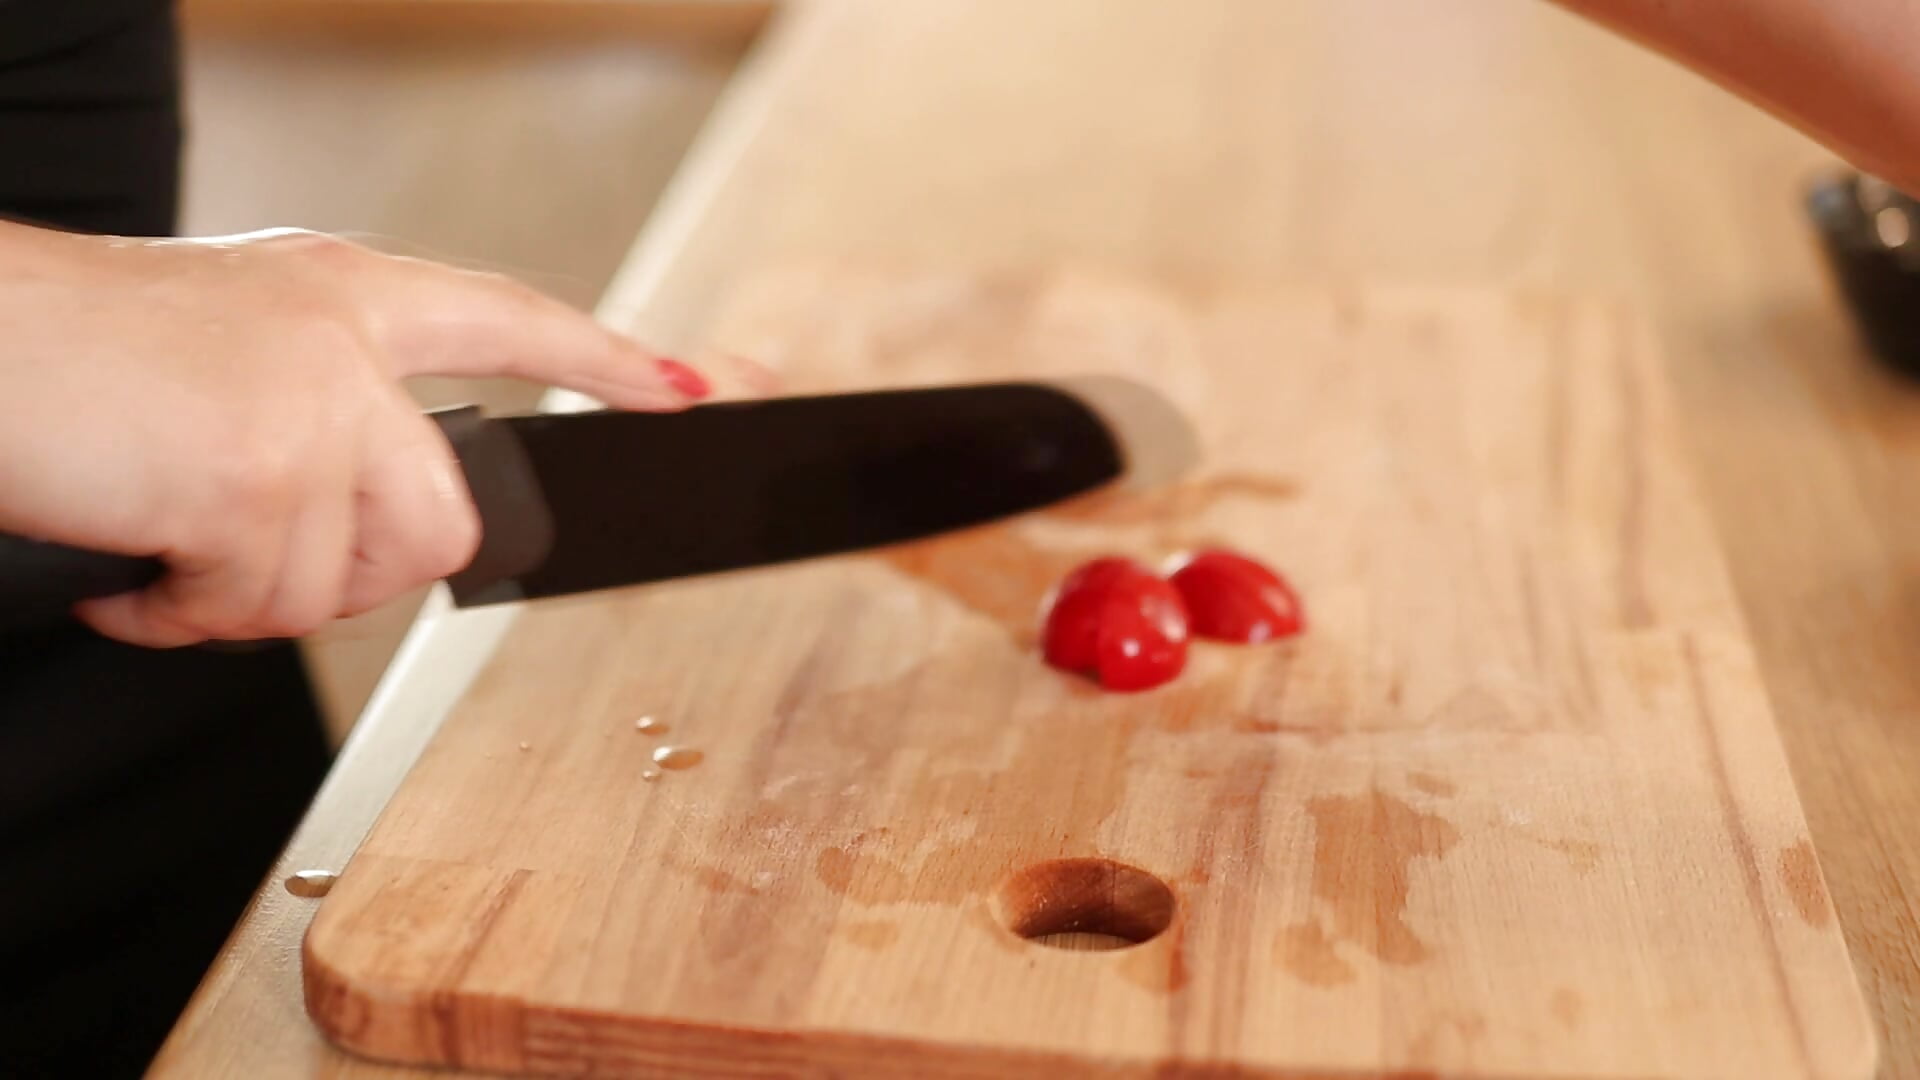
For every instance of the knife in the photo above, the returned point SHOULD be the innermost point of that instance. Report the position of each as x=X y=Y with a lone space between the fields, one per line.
x=578 y=502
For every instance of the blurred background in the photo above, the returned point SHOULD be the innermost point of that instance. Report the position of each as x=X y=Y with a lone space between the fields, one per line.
x=530 y=137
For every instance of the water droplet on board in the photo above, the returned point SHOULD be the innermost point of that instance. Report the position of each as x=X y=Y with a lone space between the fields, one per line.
x=677 y=757
x=310 y=883
x=647 y=725
x=649 y=775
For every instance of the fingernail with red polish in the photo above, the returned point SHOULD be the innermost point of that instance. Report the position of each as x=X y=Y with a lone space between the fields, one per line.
x=687 y=381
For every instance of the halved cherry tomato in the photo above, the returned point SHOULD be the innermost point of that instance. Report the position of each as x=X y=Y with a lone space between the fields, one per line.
x=1230 y=597
x=1119 y=622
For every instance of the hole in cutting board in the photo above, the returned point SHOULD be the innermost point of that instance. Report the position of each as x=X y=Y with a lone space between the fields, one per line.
x=1084 y=905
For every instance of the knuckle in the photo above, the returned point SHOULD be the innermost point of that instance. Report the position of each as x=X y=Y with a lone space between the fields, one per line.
x=328 y=338
x=251 y=481
x=219 y=622
x=264 y=460
x=445 y=540
x=319 y=247
x=293 y=613
x=511 y=292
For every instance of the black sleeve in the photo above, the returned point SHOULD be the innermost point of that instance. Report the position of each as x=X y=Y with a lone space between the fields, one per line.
x=90 y=125
x=143 y=794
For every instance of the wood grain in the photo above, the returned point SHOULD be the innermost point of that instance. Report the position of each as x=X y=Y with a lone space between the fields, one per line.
x=1522 y=753
x=1454 y=141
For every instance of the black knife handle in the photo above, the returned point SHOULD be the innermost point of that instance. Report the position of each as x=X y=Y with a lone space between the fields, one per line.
x=40 y=582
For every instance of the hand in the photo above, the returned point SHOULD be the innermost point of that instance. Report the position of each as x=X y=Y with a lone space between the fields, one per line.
x=234 y=407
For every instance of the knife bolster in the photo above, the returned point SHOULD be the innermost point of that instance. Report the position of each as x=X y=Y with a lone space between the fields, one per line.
x=516 y=527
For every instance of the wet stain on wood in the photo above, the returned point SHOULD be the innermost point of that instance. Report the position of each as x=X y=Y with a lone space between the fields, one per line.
x=1449 y=1036
x=1159 y=966
x=1568 y=1007
x=715 y=880
x=1177 y=503
x=964 y=848
x=1000 y=572
x=995 y=571
x=1583 y=854
x=1364 y=850
x=1800 y=873
x=1304 y=951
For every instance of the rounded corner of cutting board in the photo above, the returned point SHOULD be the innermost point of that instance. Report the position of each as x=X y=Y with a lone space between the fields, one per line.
x=354 y=1010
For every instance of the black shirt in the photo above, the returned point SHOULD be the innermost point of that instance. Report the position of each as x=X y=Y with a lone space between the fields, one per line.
x=89 y=114
x=40 y=27
x=143 y=794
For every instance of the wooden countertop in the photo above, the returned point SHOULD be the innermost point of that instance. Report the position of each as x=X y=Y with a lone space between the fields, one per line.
x=1453 y=141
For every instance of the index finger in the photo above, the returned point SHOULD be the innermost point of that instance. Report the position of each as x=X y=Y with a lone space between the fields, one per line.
x=438 y=320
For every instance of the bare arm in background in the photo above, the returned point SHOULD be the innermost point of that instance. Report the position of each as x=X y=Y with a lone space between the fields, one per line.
x=1846 y=72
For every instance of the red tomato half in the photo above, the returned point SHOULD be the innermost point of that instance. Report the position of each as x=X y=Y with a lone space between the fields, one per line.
x=1119 y=622
x=1230 y=597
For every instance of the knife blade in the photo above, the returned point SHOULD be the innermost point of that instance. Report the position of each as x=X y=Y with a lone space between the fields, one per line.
x=578 y=502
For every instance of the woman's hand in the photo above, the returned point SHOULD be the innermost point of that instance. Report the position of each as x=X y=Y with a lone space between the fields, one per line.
x=234 y=407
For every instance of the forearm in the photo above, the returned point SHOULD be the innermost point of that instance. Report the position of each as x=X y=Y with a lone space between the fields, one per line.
x=1847 y=72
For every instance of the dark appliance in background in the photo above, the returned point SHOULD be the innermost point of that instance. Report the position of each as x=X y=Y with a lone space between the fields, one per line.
x=1871 y=234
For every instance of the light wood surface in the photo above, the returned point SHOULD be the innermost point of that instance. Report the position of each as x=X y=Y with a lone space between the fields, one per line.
x=1456 y=141
x=1514 y=806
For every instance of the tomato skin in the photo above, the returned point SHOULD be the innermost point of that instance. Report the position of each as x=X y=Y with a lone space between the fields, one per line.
x=1230 y=597
x=1119 y=622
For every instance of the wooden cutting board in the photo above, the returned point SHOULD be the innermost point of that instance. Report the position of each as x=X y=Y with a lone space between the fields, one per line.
x=1514 y=806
